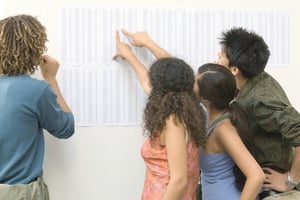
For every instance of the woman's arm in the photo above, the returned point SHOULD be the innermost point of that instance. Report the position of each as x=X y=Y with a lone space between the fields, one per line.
x=139 y=39
x=124 y=51
x=142 y=39
x=173 y=136
x=233 y=145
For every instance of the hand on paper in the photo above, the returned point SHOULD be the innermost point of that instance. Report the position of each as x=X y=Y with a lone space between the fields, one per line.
x=123 y=49
x=139 y=39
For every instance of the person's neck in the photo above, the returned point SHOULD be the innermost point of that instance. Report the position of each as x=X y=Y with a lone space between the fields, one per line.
x=240 y=81
x=213 y=114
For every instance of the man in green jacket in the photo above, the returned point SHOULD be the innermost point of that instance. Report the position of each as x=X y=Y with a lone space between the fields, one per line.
x=275 y=123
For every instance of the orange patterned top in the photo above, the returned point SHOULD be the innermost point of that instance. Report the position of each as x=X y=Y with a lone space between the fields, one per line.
x=157 y=170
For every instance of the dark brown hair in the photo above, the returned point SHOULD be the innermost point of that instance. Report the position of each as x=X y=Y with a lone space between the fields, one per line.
x=246 y=50
x=172 y=83
x=217 y=85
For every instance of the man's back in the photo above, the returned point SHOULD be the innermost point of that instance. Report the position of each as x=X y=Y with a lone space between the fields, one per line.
x=27 y=106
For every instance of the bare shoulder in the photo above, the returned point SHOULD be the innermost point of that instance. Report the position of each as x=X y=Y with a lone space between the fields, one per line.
x=172 y=128
x=225 y=129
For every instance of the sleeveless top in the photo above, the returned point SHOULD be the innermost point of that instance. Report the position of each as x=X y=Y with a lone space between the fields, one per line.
x=157 y=169
x=217 y=178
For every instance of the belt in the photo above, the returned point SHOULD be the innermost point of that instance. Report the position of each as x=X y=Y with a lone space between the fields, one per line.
x=267 y=193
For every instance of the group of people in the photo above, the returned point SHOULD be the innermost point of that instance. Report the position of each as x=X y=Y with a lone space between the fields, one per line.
x=247 y=143
x=228 y=132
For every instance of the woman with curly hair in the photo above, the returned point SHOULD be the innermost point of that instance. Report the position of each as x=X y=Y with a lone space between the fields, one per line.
x=27 y=107
x=174 y=124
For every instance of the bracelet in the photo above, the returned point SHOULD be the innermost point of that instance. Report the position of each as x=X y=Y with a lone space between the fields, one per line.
x=289 y=182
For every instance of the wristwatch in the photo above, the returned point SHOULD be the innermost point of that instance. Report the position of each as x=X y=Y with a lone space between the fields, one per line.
x=289 y=182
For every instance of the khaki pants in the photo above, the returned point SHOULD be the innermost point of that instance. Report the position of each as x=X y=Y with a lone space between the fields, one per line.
x=292 y=195
x=36 y=190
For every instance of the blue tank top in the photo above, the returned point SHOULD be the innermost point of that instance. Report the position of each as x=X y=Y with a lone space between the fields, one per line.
x=217 y=178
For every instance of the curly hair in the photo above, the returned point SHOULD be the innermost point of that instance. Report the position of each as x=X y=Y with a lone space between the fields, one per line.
x=172 y=83
x=22 y=43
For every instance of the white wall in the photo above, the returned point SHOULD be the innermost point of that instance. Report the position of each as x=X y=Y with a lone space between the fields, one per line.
x=104 y=162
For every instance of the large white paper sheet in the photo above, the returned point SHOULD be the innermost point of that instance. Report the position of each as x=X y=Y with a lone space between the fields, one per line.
x=102 y=92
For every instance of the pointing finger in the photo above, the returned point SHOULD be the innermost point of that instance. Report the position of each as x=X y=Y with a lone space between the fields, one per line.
x=127 y=33
x=117 y=37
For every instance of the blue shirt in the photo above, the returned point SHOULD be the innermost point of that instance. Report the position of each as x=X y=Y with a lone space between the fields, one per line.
x=217 y=177
x=27 y=107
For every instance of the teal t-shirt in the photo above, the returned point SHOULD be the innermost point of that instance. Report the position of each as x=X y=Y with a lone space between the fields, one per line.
x=27 y=106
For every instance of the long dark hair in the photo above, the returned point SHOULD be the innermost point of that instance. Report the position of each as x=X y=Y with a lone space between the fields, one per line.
x=172 y=82
x=217 y=84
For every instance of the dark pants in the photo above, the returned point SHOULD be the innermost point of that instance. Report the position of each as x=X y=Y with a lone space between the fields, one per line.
x=265 y=194
x=199 y=192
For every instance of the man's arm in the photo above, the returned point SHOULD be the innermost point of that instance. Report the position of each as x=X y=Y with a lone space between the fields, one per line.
x=295 y=170
x=278 y=181
x=49 y=70
x=289 y=127
x=55 y=117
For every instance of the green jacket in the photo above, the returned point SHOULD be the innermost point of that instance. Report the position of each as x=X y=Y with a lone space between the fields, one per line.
x=274 y=122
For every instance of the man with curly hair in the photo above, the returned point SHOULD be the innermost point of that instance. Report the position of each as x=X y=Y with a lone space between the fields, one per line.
x=27 y=107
